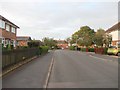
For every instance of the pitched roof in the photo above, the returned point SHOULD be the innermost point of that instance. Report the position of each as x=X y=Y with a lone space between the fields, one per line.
x=113 y=28
x=3 y=18
x=23 y=38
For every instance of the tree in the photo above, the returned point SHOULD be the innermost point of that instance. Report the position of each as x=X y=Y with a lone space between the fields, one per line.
x=99 y=36
x=49 y=42
x=84 y=36
x=107 y=40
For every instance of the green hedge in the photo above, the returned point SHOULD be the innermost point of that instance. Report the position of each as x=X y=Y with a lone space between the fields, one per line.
x=105 y=50
x=43 y=49
x=87 y=49
x=91 y=49
x=83 y=49
x=72 y=48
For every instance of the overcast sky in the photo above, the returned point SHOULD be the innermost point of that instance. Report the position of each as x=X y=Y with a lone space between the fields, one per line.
x=58 y=19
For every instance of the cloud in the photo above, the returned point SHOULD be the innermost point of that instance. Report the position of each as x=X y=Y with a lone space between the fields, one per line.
x=58 y=20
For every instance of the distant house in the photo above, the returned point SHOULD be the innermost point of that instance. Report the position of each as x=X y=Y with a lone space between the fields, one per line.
x=62 y=44
x=23 y=40
x=114 y=31
x=8 y=31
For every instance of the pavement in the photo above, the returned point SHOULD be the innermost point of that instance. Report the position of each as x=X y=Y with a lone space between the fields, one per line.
x=66 y=69
x=30 y=75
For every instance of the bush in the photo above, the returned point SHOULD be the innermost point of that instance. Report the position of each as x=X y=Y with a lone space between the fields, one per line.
x=78 y=48
x=72 y=48
x=23 y=47
x=12 y=47
x=91 y=49
x=43 y=49
x=33 y=44
x=83 y=49
x=105 y=50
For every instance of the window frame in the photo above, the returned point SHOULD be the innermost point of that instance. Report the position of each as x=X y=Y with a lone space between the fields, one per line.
x=13 y=29
x=2 y=24
x=7 y=28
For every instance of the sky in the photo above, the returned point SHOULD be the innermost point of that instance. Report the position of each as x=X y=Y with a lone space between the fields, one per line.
x=58 y=19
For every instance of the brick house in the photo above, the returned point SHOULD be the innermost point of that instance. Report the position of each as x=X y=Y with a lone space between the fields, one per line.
x=114 y=31
x=8 y=31
x=62 y=44
x=23 y=40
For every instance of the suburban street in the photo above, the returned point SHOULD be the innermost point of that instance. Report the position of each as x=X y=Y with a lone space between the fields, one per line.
x=71 y=69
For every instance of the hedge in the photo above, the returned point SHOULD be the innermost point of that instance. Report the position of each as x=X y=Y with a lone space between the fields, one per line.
x=84 y=49
x=72 y=48
x=91 y=49
x=43 y=49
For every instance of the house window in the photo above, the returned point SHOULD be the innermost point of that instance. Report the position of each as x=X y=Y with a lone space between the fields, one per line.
x=7 y=27
x=13 y=30
x=2 y=24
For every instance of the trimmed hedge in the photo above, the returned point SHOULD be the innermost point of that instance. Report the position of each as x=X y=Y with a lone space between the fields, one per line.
x=91 y=49
x=43 y=49
x=72 y=48
x=83 y=49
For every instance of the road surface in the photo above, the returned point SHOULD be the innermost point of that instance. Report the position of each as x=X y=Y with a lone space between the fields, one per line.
x=80 y=70
x=71 y=69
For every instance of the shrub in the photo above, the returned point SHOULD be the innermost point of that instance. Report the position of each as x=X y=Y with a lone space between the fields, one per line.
x=12 y=47
x=78 y=48
x=23 y=47
x=91 y=49
x=83 y=49
x=105 y=50
x=72 y=48
x=33 y=44
x=43 y=49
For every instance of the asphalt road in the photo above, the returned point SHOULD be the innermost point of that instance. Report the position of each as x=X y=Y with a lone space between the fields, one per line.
x=74 y=69
x=71 y=69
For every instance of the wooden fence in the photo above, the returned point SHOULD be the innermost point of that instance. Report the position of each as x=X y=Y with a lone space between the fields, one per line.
x=14 y=56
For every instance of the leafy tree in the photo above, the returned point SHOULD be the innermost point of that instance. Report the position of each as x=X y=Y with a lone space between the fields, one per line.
x=99 y=36
x=84 y=36
x=49 y=42
x=107 y=40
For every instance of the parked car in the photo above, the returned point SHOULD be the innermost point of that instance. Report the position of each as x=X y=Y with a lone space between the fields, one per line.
x=113 y=50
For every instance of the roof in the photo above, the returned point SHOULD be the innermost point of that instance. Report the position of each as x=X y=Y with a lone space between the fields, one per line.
x=3 y=18
x=23 y=38
x=113 y=28
x=61 y=41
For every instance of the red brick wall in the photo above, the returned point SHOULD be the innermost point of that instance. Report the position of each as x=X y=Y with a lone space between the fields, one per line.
x=65 y=46
x=7 y=34
x=22 y=43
